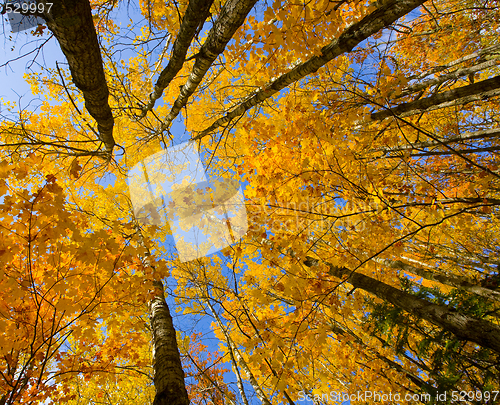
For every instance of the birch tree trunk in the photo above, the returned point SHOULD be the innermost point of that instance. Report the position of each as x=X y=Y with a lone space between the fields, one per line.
x=239 y=360
x=480 y=90
x=350 y=38
x=462 y=283
x=231 y=17
x=196 y=13
x=168 y=373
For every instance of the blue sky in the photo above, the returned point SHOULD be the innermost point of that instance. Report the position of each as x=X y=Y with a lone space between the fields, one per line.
x=13 y=65
x=21 y=54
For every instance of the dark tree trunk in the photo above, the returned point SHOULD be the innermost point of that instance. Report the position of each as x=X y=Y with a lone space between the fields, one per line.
x=72 y=25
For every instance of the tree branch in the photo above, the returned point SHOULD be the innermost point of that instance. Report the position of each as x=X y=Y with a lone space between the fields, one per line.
x=486 y=88
x=196 y=14
x=350 y=38
x=231 y=17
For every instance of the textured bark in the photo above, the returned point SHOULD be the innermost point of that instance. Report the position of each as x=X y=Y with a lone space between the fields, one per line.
x=253 y=382
x=482 y=332
x=482 y=53
x=234 y=364
x=351 y=37
x=458 y=152
x=231 y=17
x=462 y=283
x=72 y=25
x=468 y=136
x=239 y=381
x=484 y=88
x=462 y=259
x=196 y=14
x=168 y=373
x=449 y=76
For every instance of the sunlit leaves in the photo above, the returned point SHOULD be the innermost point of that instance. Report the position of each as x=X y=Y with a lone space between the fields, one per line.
x=57 y=280
x=326 y=185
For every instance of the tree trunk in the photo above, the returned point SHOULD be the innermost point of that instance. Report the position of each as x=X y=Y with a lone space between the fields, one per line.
x=462 y=283
x=168 y=373
x=72 y=24
x=239 y=359
x=196 y=14
x=485 y=53
x=351 y=37
x=482 y=332
x=479 y=89
x=413 y=378
x=231 y=17
x=448 y=76
x=460 y=139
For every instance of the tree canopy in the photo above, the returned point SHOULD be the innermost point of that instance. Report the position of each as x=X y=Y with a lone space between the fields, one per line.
x=361 y=142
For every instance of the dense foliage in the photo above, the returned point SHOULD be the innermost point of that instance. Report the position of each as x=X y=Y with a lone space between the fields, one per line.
x=366 y=137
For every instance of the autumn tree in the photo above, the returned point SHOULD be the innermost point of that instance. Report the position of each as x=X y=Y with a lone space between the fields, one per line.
x=366 y=135
x=60 y=280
